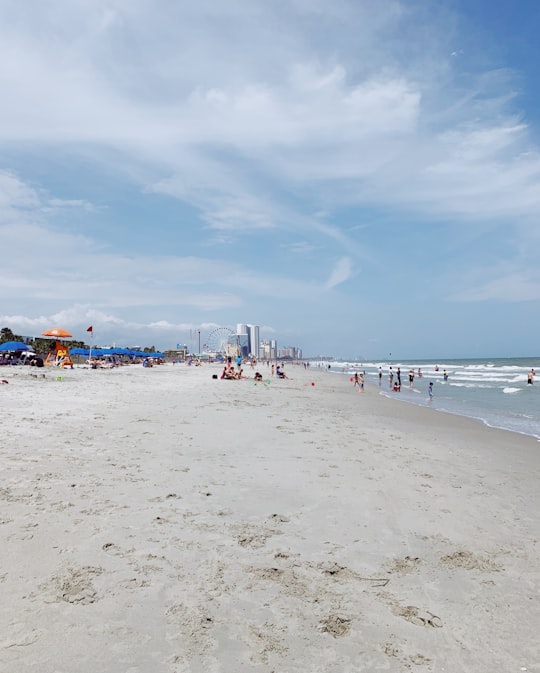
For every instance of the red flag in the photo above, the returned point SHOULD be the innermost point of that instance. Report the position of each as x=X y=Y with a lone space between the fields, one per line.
x=90 y=329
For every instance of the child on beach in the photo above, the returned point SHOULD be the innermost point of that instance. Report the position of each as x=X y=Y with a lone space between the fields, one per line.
x=430 y=390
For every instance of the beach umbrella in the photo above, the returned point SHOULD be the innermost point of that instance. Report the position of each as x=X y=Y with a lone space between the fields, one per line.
x=58 y=333
x=79 y=351
x=60 y=355
x=14 y=346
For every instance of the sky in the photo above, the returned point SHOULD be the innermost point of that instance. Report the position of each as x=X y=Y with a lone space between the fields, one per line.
x=359 y=178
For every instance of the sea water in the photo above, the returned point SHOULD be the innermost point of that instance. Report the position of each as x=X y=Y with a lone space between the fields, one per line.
x=494 y=391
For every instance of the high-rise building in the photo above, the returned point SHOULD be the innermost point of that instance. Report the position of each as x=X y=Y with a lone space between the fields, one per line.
x=248 y=339
x=268 y=350
x=254 y=345
x=242 y=337
x=290 y=353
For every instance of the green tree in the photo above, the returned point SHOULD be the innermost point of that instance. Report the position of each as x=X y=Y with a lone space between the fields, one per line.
x=7 y=335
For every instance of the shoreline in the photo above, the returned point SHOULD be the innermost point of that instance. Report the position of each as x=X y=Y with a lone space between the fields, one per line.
x=498 y=421
x=477 y=419
x=158 y=519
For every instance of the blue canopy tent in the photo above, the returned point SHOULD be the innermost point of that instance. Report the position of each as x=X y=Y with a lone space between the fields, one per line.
x=14 y=346
x=79 y=351
x=103 y=352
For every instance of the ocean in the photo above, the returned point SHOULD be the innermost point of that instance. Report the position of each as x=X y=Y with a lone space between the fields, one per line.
x=494 y=391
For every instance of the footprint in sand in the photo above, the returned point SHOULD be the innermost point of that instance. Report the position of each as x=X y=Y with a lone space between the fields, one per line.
x=337 y=626
x=403 y=566
x=469 y=561
x=410 y=613
x=73 y=586
x=414 y=615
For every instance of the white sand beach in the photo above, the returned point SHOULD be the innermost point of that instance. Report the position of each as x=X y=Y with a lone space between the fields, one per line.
x=158 y=520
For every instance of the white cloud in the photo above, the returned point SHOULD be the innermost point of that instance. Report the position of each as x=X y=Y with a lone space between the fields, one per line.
x=510 y=286
x=341 y=273
x=349 y=127
x=256 y=121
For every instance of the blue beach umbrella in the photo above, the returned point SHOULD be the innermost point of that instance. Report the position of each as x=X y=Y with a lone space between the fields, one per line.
x=79 y=351
x=14 y=346
x=106 y=351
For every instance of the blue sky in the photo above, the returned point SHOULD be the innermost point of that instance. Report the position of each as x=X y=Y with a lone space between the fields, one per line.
x=358 y=178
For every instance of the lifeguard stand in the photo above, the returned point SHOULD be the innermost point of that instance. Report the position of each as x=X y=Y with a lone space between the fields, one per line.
x=59 y=356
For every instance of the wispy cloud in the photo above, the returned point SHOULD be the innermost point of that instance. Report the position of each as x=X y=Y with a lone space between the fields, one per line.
x=508 y=287
x=340 y=273
x=264 y=129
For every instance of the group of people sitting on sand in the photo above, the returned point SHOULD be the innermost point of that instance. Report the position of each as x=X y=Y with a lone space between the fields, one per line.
x=230 y=373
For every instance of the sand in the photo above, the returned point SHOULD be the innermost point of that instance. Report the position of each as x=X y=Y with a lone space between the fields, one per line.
x=158 y=520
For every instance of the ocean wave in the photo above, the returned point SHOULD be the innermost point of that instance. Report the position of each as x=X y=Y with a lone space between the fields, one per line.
x=511 y=390
x=455 y=384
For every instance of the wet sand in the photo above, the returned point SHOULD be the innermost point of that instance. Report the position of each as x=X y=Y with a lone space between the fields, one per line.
x=158 y=520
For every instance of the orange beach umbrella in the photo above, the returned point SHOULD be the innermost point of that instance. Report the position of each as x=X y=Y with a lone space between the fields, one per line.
x=57 y=332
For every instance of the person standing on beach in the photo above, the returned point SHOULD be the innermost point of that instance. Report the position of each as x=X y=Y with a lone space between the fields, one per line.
x=411 y=378
x=356 y=379
x=399 y=377
x=430 y=390
x=380 y=375
x=391 y=377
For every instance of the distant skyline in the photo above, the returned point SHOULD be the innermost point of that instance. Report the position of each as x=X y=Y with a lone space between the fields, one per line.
x=357 y=178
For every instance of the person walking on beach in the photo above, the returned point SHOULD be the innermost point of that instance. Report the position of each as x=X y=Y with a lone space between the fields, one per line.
x=356 y=379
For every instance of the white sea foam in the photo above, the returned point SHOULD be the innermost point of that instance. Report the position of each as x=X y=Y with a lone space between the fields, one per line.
x=468 y=385
x=511 y=390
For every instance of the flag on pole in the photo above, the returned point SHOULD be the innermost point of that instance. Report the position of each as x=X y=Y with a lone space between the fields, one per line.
x=91 y=330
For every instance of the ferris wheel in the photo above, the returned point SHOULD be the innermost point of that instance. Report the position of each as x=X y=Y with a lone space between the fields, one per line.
x=219 y=338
